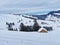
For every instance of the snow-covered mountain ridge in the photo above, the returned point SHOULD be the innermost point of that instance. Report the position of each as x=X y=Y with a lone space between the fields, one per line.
x=52 y=13
x=23 y=19
x=14 y=18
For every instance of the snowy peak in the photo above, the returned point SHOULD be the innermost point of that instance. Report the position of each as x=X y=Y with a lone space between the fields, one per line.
x=53 y=12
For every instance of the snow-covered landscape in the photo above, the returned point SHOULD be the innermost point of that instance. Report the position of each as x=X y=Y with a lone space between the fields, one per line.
x=29 y=22
x=28 y=38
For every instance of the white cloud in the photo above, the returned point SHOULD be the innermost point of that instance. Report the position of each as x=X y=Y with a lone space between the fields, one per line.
x=29 y=5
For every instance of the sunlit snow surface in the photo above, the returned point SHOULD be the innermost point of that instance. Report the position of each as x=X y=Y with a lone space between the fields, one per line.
x=27 y=38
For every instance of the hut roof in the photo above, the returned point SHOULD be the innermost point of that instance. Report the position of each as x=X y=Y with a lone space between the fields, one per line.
x=42 y=30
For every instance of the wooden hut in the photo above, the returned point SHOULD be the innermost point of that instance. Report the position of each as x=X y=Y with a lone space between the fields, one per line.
x=42 y=30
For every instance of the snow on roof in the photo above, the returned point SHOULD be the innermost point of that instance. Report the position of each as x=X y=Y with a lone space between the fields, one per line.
x=42 y=29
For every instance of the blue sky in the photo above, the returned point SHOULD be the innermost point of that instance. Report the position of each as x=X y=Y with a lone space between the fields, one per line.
x=29 y=6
